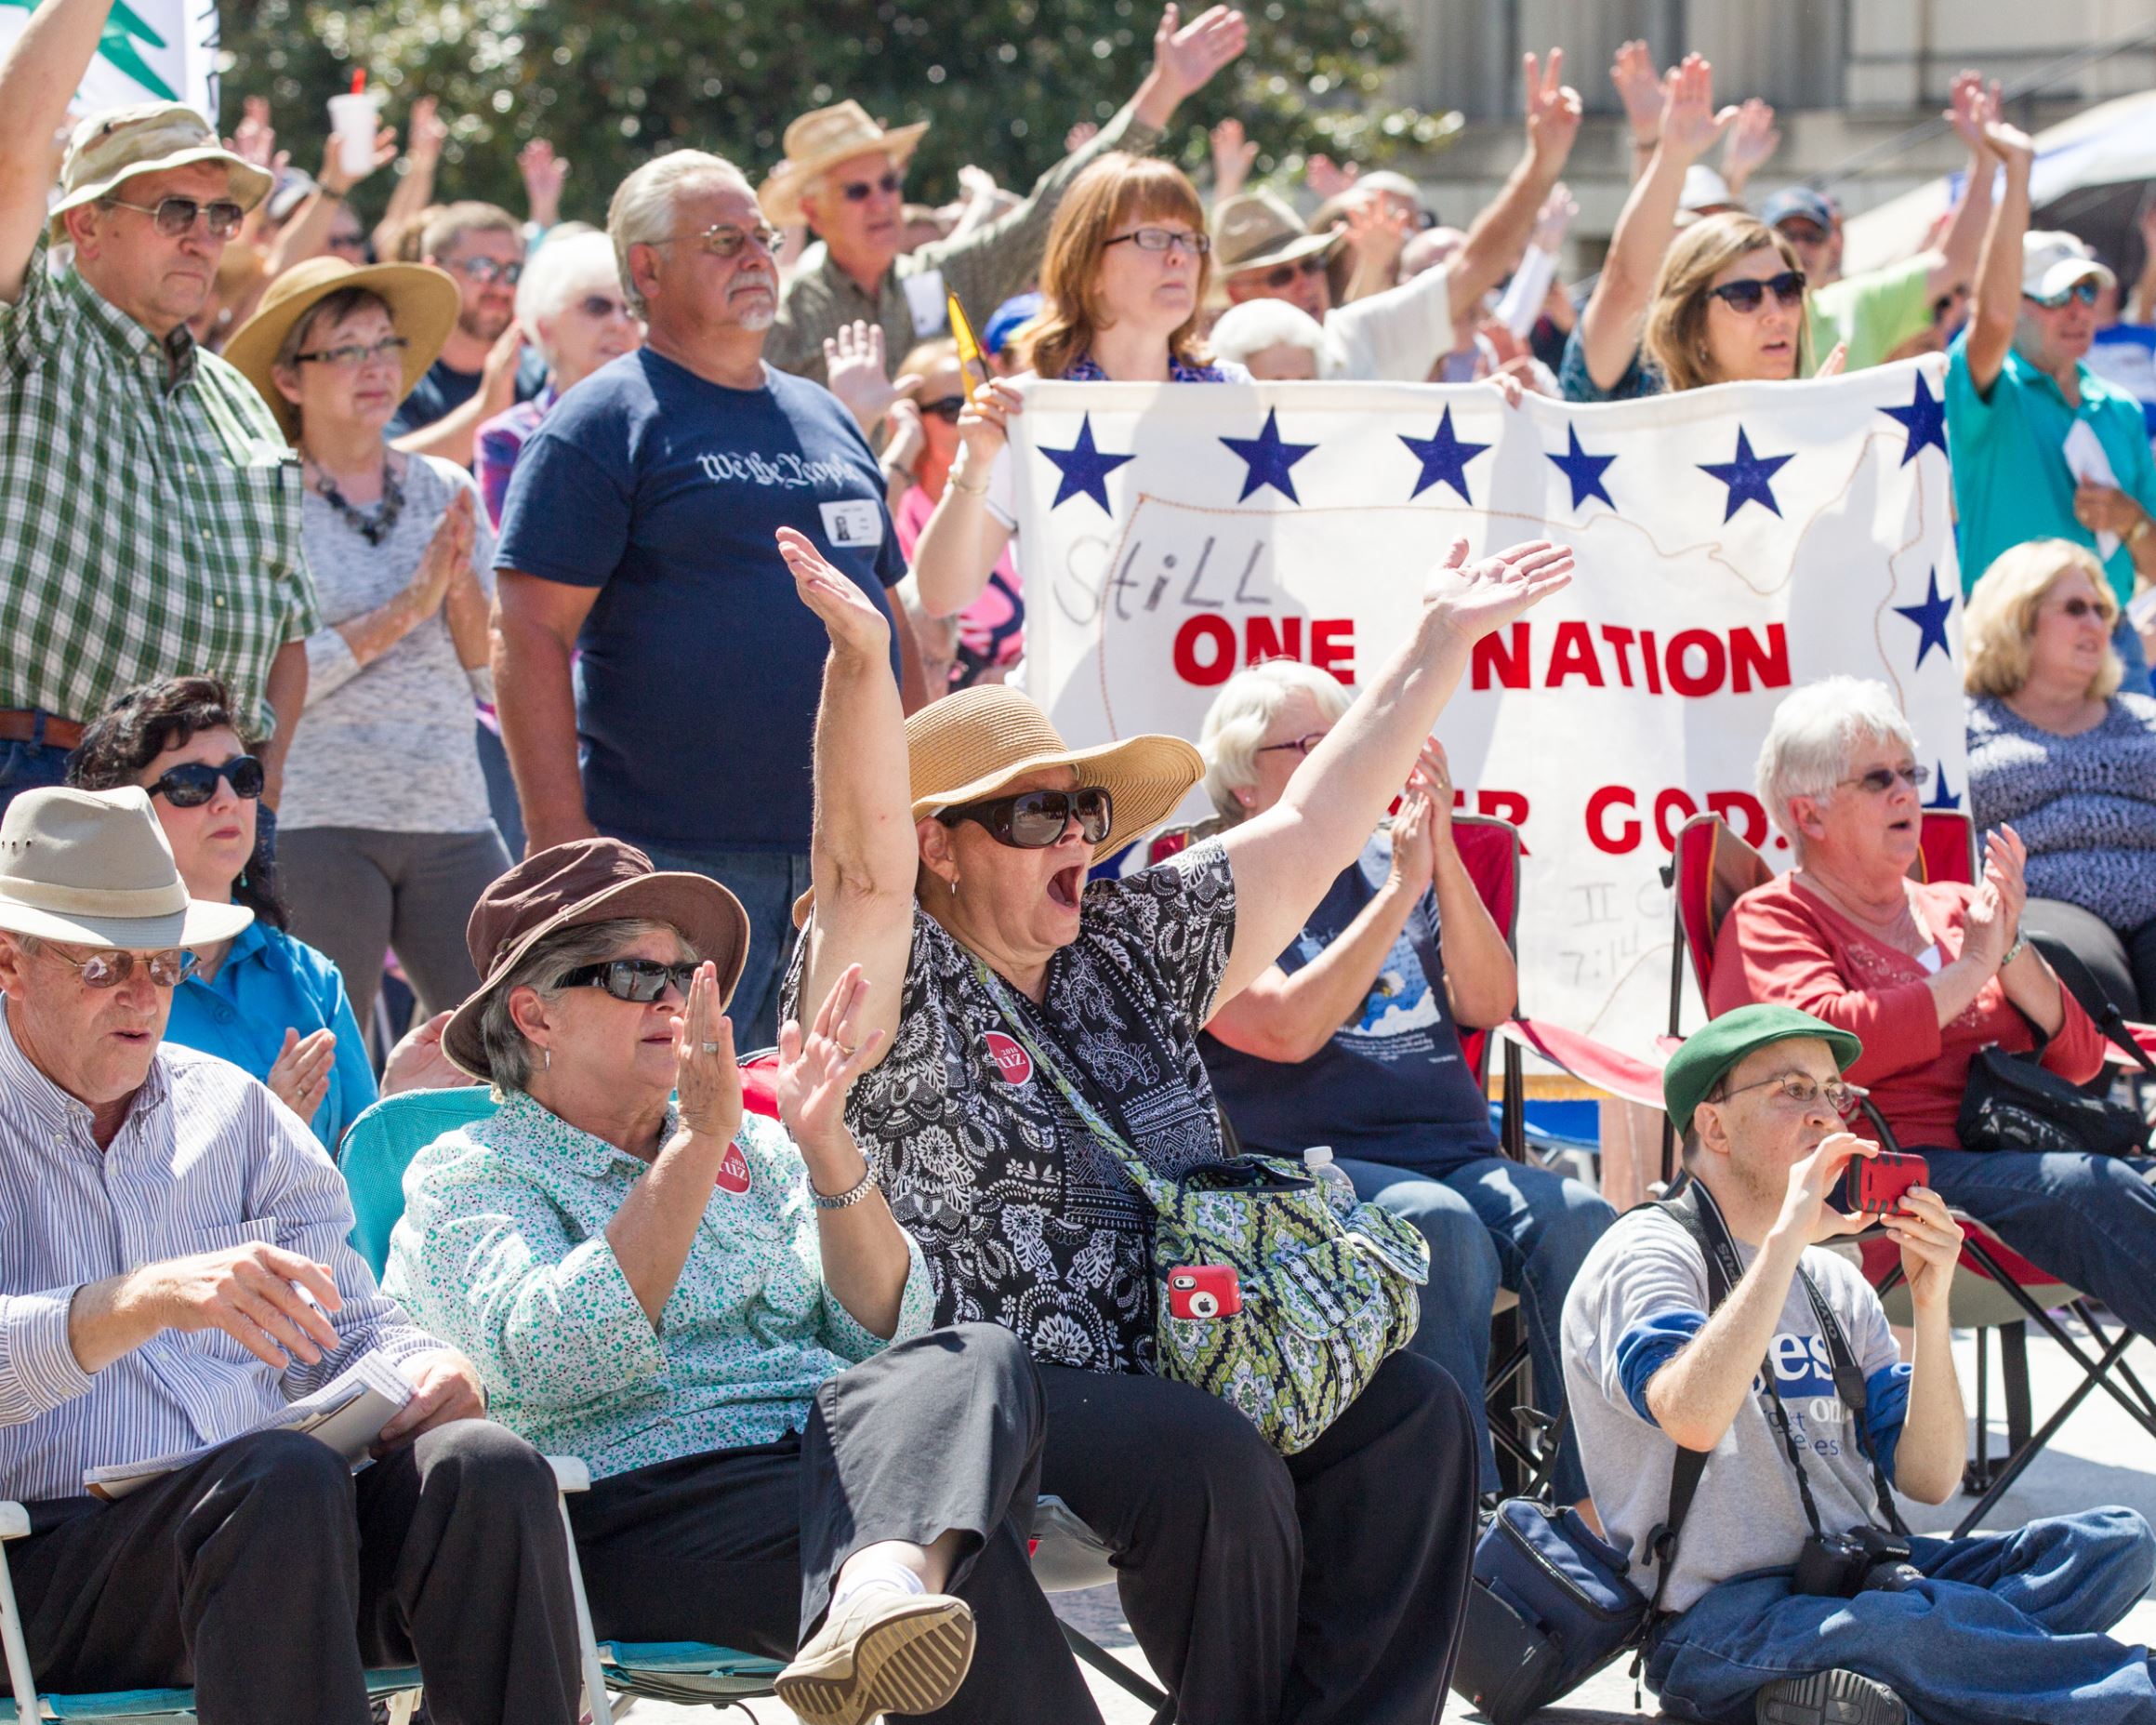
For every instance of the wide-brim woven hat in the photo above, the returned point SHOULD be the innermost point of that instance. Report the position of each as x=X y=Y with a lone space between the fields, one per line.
x=977 y=742
x=1257 y=229
x=823 y=138
x=574 y=885
x=423 y=304
x=93 y=869
x=146 y=137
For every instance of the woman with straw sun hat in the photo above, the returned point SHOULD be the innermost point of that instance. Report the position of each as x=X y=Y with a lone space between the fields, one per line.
x=1038 y=1029
x=385 y=832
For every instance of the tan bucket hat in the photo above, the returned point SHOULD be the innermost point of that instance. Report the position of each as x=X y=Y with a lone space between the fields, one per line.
x=823 y=137
x=423 y=304
x=93 y=869
x=571 y=885
x=1256 y=227
x=147 y=138
x=970 y=745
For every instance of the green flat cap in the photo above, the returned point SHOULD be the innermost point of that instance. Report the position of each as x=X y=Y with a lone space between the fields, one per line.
x=1708 y=1055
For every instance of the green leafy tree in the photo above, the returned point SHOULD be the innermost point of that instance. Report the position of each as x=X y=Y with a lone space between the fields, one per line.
x=609 y=82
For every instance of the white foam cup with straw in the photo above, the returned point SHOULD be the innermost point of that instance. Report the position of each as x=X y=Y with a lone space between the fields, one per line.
x=352 y=123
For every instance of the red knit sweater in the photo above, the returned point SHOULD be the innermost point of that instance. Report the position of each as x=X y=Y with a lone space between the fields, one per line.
x=1782 y=943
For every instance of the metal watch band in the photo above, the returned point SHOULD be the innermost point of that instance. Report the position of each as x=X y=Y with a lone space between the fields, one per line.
x=2013 y=951
x=846 y=1200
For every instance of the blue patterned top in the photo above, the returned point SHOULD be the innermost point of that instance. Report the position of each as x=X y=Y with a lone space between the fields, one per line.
x=2085 y=806
x=1087 y=369
x=503 y=1245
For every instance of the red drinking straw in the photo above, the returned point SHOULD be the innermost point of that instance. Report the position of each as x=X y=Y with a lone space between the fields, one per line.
x=359 y=81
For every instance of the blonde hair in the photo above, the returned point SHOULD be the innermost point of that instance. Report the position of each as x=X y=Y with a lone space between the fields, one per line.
x=1675 y=334
x=641 y=211
x=1117 y=189
x=1999 y=623
x=1242 y=712
x=926 y=356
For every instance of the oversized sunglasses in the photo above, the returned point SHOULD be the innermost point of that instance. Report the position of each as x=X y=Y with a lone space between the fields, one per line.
x=1033 y=820
x=175 y=217
x=945 y=407
x=1165 y=240
x=194 y=783
x=108 y=970
x=861 y=190
x=639 y=981
x=1881 y=779
x=1747 y=297
x=1284 y=277
x=2079 y=608
x=2084 y=290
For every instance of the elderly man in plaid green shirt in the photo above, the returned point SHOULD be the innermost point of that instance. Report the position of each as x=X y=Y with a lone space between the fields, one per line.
x=843 y=175
x=149 y=506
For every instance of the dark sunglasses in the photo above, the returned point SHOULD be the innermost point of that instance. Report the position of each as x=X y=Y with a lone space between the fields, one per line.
x=1881 y=779
x=1035 y=819
x=861 y=190
x=2085 y=291
x=108 y=970
x=194 y=783
x=641 y=981
x=1285 y=275
x=176 y=216
x=2079 y=608
x=1747 y=297
x=599 y=305
x=945 y=407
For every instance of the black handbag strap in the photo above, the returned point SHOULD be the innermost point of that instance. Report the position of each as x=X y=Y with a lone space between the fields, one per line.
x=2074 y=980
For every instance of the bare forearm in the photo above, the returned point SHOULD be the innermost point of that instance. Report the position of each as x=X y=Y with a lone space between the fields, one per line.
x=285 y=694
x=2030 y=985
x=1610 y=327
x=307 y=235
x=1955 y=987
x=651 y=1232
x=866 y=1262
x=1694 y=1398
x=37 y=80
x=2144 y=306
x=454 y=435
x=1962 y=243
x=466 y=609
x=957 y=550
x=1499 y=236
x=411 y=194
x=1481 y=979
x=538 y=708
x=373 y=633
x=1288 y=1018
x=107 y=1320
x=1934 y=1448
x=1997 y=303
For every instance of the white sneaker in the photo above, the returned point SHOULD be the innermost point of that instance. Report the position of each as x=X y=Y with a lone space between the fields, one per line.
x=879 y=1651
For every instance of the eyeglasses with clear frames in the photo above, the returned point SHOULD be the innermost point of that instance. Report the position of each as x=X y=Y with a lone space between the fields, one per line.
x=107 y=970
x=1845 y=1099
x=1302 y=745
x=724 y=240
x=355 y=354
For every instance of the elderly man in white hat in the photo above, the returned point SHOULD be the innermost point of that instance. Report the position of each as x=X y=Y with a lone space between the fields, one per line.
x=844 y=174
x=175 y=1272
x=1263 y=252
x=149 y=507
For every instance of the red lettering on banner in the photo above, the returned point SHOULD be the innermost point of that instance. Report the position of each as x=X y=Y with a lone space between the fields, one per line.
x=1011 y=1060
x=1506 y=660
x=1613 y=825
x=1205 y=651
x=1668 y=803
x=1626 y=837
x=1648 y=663
x=1749 y=657
x=1219 y=666
x=1264 y=642
x=1620 y=638
x=1573 y=656
x=1506 y=804
x=1708 y=678
x=1328 y=651
x=1743 y=813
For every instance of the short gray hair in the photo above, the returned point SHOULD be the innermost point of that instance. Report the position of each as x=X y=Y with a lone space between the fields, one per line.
x=552 y=957
x=1240 y=713
x=569 y=260
x=642 y=209
x=1813 y=732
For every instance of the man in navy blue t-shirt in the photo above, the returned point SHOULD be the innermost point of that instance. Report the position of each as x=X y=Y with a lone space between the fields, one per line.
x=638 y=539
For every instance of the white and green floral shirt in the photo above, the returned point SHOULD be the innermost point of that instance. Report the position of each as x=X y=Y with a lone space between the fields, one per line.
x=502 y=1253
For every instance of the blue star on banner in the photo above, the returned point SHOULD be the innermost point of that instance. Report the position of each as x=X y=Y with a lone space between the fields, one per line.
x=1931 y=619
x=1944 y=796
x=1583 y=471
x=1269 y=457
x=1084 y=469
x=1926 y=420
x=1748 y=476
x=1444 y=459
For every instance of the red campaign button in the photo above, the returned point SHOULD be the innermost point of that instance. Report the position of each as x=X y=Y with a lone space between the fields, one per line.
x=734 y=1170
x=1011 y=1060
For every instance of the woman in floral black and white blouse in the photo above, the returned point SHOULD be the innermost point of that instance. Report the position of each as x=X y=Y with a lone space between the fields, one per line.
x=950 y=861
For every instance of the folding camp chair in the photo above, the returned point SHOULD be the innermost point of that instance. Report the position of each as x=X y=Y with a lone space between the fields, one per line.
x=1999 y=1289
x=376 y=1149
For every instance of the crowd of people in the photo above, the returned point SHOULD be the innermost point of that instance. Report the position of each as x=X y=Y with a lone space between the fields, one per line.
x=421 y=645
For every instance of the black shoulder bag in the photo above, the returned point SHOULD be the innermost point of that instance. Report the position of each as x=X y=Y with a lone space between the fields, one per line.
x=2014 y=1102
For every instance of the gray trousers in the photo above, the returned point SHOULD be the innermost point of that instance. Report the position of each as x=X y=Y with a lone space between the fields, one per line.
x=270 y=1577
x=356 y=892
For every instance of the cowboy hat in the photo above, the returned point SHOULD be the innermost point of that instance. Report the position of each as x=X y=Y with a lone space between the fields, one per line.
x=823 y=138
x=1257 y=229
x=148 y=138
x=423 y=304
x=573 y=885
x=93 y=869
x=973 y=744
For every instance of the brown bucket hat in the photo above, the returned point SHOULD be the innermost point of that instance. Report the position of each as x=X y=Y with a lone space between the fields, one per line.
x=569 y=886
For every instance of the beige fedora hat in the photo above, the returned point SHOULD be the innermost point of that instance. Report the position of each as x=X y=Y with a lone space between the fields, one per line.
x=92 y=868
x=148 y=138
x=1257 y=228
x=423 y=304
x=823 y=137
x=973 y=744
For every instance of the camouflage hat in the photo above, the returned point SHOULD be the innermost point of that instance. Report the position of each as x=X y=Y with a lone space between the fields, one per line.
x=148 y=138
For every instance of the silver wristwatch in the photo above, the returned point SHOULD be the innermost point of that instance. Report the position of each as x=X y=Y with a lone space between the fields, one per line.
x=846 y=1200
x=2013 y=951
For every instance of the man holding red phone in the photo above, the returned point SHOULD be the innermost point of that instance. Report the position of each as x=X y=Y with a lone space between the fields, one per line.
x=1797 y=1594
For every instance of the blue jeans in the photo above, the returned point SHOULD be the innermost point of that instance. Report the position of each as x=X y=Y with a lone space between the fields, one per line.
x=767 y=883
x=2127 y=640
x=1495 y=1223
x=2089 y=1220
x=26 y=766
x=2009 y=1628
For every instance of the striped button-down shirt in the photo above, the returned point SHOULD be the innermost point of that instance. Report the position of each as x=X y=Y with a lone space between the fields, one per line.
x=206 y=1159
x=149 y=509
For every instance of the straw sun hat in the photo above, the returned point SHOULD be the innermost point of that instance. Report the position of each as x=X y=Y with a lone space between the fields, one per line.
x=823 y=138
x=423 y=304
x=93 y=869
x=975 y=743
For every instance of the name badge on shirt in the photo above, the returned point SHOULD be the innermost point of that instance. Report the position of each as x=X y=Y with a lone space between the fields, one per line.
x=852 y=521
x=924 y=298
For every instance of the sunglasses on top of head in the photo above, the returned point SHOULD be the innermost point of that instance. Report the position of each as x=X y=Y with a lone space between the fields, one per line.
x=1746 y=297
x=638 y=981
x=194 y=783
x=2084 y=290
x=1033 y=820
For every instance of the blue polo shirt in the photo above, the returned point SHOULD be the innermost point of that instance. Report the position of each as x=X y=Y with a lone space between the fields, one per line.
x=2011 y=480
x=269 y=983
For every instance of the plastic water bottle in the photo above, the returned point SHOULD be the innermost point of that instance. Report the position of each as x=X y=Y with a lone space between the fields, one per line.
x=1318 y=1164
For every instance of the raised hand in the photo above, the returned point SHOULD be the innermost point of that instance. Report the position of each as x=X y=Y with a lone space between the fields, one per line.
x=854 y=624
x=1931 y=1244
x=336 y=180
x=1185 y=59
x=1475 y=598
x=1970 y=102
x=1639 y=87
x=418 y=1062
x=2005 y=860
x=1327 y=177
x=2009 y=143
x=984 y=425
x=1232 y=156
x=544 y=173
x=426 y=134
x=1414 y=859
x=1553 y=109
x=254 y=140
x=1377 y=228
x=816 y=1068
x=1690 y=122
x=1804 y=1206
x=707 y=1080
x=1984 y=931
x=1081 y=133
x=853 y=362
x=1554 y=221
x=299 y=1076
x=448 y=553
x=904 y=437
x=498 y=375
x=1435 y=772
x=1750 y=143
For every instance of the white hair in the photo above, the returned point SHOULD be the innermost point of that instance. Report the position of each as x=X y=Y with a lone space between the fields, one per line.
x=642 y=209
x=1257 y=324
x=572 y=259
x=1814 y=731
x=1242 y=712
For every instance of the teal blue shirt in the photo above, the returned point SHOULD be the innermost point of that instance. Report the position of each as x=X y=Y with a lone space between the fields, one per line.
x=268 y=984
x=502 y=1252
x=2011 y=481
